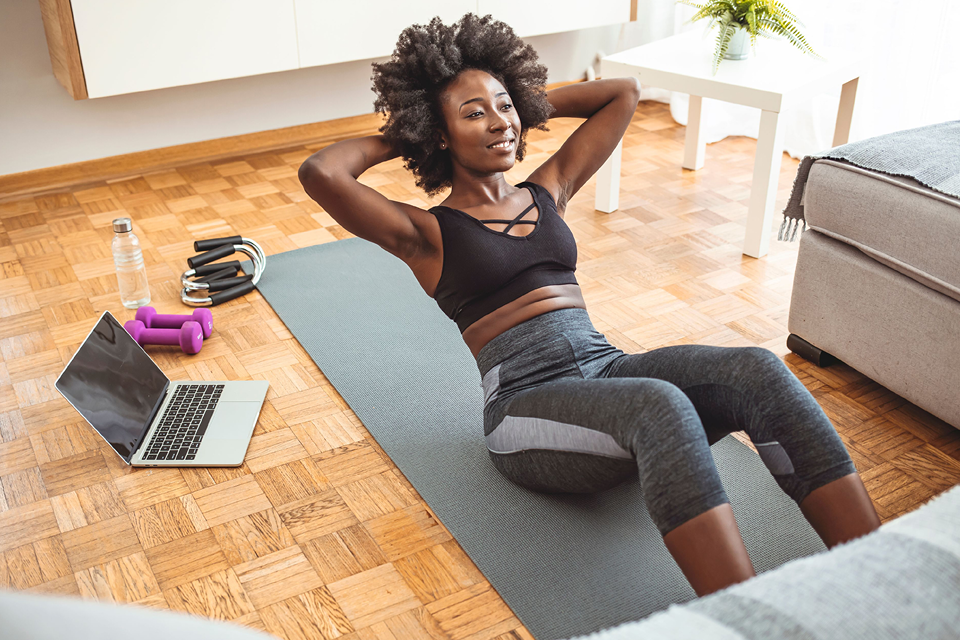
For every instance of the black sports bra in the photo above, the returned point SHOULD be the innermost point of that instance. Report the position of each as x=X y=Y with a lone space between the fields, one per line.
x=485 y=269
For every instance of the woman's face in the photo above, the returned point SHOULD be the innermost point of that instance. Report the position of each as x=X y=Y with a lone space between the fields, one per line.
x=479 y=113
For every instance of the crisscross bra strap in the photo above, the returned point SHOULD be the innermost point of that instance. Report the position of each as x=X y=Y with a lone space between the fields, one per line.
x=516 y=220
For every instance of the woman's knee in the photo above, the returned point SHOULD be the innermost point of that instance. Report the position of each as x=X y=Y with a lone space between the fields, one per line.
x=759 y=362
x=646 y=395
x=659 y=409
x=765 y=385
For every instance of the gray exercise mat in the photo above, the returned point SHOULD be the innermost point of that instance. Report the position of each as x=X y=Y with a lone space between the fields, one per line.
x=565 y=564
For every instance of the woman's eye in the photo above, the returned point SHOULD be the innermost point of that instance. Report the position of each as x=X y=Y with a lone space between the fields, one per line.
x=476 y=112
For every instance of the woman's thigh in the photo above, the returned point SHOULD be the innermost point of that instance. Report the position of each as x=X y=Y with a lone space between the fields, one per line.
x=732 y=388
x=750 y=389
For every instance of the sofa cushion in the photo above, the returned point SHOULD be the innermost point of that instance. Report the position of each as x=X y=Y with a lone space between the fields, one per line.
x=884 y=324
x=893 y=219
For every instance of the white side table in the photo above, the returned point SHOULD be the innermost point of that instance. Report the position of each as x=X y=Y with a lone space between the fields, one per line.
x=770 y=80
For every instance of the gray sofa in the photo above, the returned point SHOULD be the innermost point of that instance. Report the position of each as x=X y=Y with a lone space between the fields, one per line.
x=877 y=282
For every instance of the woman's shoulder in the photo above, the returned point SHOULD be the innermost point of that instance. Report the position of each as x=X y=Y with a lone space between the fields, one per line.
x=545 y=186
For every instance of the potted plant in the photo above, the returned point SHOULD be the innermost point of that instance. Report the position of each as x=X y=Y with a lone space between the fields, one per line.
x=754 y=17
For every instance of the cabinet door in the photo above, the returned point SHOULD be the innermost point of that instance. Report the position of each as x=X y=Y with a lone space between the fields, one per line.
x=331 y=32
x=136 y=45
x=537 y=17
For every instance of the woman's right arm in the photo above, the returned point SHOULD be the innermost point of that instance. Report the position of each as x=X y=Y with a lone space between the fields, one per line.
x=329 y=177
x=354 y=156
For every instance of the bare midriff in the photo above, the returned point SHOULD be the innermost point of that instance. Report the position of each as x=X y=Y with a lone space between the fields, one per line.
x=529 y=305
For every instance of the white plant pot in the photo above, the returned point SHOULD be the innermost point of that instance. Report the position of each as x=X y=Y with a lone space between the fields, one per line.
x=739 y=47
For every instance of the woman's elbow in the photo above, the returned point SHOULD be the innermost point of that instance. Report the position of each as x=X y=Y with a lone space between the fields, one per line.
x=310 y=171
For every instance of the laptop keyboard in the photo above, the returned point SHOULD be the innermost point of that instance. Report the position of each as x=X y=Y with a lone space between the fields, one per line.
x=178 y=435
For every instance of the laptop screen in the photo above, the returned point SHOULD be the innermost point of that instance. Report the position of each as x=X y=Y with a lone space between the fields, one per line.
x=114 y=385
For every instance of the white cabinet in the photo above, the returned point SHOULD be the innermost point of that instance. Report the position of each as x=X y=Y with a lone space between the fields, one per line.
x=136 y=45
x=331 y=32
x=537 y=17
x=123 y=46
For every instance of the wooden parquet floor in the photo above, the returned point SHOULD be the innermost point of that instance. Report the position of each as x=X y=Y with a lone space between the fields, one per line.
x=318 y=535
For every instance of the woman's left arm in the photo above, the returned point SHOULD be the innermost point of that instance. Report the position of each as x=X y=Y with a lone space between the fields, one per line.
x=608 y=105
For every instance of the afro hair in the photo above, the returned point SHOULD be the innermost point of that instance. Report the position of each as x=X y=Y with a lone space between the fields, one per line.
x=426 y=60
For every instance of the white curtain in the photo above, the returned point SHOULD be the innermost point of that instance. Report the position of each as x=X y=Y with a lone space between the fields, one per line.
x=911 y=79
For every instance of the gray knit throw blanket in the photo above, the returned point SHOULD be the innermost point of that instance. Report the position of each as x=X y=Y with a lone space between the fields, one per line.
x=930 y=155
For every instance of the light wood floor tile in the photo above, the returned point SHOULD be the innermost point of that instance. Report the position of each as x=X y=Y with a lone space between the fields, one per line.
x=273 y=449
x=277 y=576
x=186 y=559
x=162 y=523
x=254 y=536
x=146 y=487
x=101 y=542
x=219 y=596
x=405 y=531
x=376 y=496
x=468 y=614
x=127 y=579
x=344 y=553
x=373 y=596
x=229 y=500
x=292 y=482
x=317 y=515
x=314 y=614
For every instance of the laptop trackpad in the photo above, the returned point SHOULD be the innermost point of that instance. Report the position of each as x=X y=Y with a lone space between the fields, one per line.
x=242 y=392
x=232 y=421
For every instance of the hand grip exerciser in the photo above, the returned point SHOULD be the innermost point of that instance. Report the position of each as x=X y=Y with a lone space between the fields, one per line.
x=219 y=280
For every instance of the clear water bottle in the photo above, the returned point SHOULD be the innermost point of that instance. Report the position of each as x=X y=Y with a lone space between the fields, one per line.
x=131 y=272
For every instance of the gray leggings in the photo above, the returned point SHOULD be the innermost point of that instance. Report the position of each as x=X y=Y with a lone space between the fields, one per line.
x=567 y=412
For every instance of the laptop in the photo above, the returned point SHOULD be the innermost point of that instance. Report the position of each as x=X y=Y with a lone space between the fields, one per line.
x=149 y=420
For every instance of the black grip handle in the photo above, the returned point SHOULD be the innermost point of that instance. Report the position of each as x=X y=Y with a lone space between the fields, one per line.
x=207 y=269
x=220 y=252
x=213 y=243
x=230 y=294
x=219 y=275
x=226 y=283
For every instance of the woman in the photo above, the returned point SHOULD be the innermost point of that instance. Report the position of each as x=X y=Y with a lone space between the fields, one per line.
x=564 y=410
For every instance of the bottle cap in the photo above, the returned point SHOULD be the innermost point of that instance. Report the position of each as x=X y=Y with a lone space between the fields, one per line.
x=122 y=225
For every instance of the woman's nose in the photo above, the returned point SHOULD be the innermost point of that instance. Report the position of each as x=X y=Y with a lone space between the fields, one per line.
x=501 y=122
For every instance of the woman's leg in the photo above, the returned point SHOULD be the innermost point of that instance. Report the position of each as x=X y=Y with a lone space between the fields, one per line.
x=709 y=550
x=751 y=389
x=840 y=510
x=585 y=435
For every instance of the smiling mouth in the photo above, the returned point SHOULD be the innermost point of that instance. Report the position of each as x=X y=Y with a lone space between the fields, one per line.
x=502 y=145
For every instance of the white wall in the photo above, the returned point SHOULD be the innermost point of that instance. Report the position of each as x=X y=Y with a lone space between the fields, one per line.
x=42 y=126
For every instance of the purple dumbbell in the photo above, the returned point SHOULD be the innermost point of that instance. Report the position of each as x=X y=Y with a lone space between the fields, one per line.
x=189 y=336
x=153 y=320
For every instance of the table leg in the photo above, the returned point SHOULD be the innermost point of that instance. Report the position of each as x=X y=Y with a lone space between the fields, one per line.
x=848 y=95
x=763 y=192
x=608 y=182
x=694 y=149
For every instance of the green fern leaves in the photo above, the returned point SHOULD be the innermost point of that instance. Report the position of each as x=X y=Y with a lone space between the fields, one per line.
x=758 y=17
